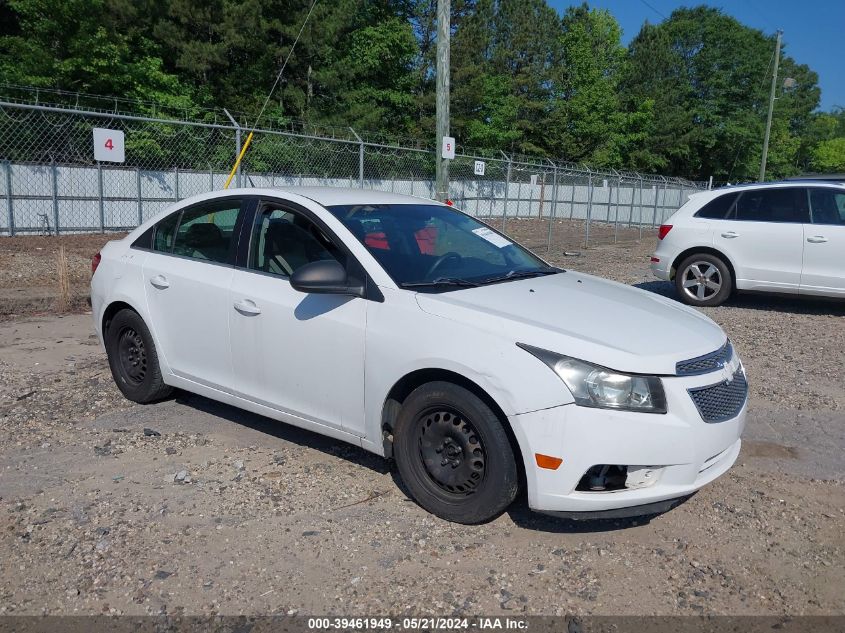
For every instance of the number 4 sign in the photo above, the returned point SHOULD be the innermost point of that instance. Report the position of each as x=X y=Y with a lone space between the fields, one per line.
x=108 y=145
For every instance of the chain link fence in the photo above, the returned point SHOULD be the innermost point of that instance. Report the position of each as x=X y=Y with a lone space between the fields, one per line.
x=51 y=184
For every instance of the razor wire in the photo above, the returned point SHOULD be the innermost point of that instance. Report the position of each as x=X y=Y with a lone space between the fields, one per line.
x=50 y=182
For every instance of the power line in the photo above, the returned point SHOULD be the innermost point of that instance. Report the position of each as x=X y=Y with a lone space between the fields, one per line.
x=653 y=9
x=279 y=76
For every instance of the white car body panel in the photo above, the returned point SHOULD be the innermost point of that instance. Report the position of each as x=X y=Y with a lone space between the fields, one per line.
x=823 y=271
x=327 y=363
x=765 y=256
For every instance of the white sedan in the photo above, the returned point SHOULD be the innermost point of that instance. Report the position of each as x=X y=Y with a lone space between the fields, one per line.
x=413 y=330
x=786 y=237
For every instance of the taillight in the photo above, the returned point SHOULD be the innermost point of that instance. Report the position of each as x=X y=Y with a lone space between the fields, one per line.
x=663 y=231
x=95 y=261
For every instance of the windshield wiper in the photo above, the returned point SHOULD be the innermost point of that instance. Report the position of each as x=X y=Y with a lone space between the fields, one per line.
x=440 y=281
x=523 y=274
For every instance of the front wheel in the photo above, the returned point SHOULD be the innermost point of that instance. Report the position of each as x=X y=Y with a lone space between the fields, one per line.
x=703 y=280
x=133 y=359
x=454 y=455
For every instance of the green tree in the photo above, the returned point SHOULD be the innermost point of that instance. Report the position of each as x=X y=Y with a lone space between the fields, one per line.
x=85 y=46
x=706 y=74
x=588 y=122
x=829 y=156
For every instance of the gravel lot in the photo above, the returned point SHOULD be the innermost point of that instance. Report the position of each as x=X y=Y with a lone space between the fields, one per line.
x=189 y=506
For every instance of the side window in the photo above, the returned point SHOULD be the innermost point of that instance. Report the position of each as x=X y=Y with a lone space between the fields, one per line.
x=164 y=232
x=719 y=208
x=779 y=204
x=828 y=206
x=205 y=232
x=283 y=241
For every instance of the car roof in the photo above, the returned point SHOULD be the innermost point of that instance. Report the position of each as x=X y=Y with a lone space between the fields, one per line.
x=329 y=196
x=782 y=183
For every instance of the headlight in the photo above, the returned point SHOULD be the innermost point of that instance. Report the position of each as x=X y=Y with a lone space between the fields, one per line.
x=596 y=386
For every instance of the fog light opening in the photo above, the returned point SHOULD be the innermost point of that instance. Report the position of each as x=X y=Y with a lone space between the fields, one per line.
x=613 y=477
x=603 y=478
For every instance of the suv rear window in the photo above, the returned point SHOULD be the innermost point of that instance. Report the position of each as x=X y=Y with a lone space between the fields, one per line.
x=718 y=208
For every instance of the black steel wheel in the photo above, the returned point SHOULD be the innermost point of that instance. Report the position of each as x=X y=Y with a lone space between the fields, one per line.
x=133 y=358
x=451 y=450
x=132 y=355
x=454 y=455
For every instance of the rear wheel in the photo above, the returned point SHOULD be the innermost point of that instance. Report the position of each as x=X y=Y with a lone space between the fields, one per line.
x=453 y=454
x=133 y=359
x=703 y=279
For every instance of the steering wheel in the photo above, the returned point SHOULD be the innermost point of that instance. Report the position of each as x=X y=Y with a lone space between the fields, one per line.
x=441 y=260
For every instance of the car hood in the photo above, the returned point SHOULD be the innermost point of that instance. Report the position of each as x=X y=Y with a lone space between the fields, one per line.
x=586 y=317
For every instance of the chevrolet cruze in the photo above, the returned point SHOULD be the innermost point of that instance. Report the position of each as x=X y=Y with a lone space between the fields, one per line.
x=413 y=330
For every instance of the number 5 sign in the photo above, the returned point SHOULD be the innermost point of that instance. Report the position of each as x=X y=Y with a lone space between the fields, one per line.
x=448 y=148
x=108 y=145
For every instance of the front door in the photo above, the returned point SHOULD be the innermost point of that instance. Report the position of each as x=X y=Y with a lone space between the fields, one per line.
x=763 y=235
x=824 y=244
x=187 y=279
x=302 y=354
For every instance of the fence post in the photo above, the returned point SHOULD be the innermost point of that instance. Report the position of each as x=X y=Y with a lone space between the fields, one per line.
x=640 y=218
x=237 y=145
x=616 y=216
x=9 y=208
x=210 y=178
x=360 y=158
x=176 y=185
x=507 y=190
x=553 y=208
x=140 y=204
x=100 y=196
x=55 y=184
x=589 y=208
x=654 y=213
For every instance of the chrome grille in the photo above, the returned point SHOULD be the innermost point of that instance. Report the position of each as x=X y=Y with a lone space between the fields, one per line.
x=707 y=363
x=721 y=401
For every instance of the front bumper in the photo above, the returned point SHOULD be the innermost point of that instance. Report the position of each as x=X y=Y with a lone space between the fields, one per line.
x=685 y=452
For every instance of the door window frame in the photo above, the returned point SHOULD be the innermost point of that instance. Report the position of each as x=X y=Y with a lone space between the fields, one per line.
x=258 y=204
x=833 y=190
x=146 y=242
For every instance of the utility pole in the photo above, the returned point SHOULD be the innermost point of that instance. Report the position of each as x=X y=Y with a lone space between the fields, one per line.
x=771 y=109
x=443 y=32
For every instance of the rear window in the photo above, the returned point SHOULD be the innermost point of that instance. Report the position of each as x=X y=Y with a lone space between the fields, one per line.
x=718 y=208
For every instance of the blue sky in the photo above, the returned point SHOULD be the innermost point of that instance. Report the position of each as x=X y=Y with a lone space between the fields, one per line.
x=813 y=30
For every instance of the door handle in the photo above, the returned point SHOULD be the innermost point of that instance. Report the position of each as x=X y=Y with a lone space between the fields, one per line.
x=817 y=239
x=245 y=306
x=160 y=282
x=730 y=234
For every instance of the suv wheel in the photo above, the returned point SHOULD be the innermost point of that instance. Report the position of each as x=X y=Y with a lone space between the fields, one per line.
x=133 y=359
x=703 y=280
x=453 y=454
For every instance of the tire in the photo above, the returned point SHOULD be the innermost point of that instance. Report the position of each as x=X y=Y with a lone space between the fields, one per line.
x=454 y=455
x=703 y=279
x=133 y=359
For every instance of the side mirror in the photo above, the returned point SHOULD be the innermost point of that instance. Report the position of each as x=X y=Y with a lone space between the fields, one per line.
x=325 y=276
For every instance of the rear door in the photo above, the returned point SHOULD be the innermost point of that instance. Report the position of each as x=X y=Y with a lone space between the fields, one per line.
x=824 y=244
x=187 y=279
x=763 y=235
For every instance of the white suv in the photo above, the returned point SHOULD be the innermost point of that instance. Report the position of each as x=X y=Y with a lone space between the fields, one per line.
x=785 y=237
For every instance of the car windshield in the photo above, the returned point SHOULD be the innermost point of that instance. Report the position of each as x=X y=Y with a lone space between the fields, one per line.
x=436 y=248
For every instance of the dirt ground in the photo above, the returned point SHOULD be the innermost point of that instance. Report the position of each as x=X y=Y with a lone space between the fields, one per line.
x=189 y=506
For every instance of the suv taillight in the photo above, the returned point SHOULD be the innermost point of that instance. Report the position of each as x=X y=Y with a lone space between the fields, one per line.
x=663 y=231
x=95 y=261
